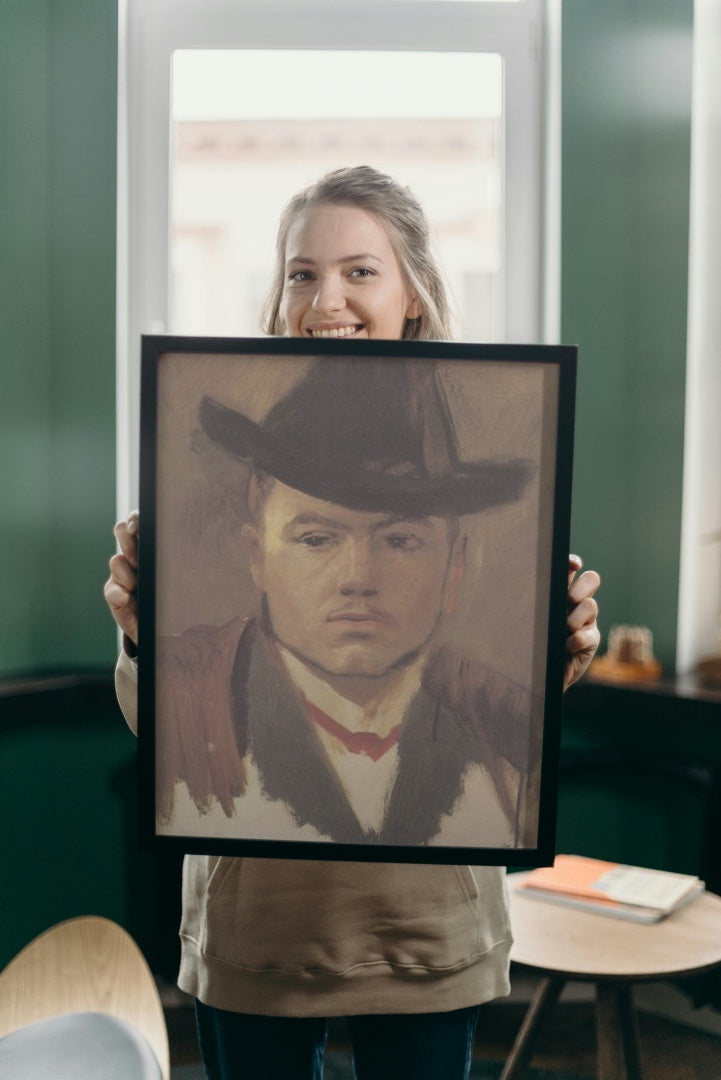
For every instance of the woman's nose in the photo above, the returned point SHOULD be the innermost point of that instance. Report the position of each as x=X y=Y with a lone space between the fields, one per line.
x=329 y=296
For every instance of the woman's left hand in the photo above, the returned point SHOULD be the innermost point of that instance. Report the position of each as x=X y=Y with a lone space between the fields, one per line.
x=583 y=635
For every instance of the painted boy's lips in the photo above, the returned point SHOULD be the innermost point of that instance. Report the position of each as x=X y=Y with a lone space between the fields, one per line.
x=356 y=616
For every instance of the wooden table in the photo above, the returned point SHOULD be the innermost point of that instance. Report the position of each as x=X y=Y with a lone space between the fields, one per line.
x=563 y=944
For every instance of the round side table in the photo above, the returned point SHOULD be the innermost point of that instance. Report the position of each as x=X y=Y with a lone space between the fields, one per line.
x=563 y=944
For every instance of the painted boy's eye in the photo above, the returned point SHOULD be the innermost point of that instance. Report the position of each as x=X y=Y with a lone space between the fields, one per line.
x=315 y=540
x=403 y=541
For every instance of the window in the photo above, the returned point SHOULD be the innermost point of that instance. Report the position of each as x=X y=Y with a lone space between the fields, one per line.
x=235 y=161
x=227 y=107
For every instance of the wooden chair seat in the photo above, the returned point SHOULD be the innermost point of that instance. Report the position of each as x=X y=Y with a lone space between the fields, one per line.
x=84 y=965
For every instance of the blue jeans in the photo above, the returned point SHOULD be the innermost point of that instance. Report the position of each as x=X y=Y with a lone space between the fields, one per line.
x=413 y=1046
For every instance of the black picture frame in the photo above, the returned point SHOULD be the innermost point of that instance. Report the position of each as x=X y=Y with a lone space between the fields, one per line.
x=221 y=743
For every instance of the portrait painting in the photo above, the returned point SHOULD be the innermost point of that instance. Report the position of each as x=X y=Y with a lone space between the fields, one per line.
x=352 y=597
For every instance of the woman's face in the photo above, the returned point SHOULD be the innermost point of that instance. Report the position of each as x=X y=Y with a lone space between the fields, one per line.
x=342 y=277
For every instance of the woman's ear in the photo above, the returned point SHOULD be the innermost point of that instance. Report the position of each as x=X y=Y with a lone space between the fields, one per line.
x=415 y=309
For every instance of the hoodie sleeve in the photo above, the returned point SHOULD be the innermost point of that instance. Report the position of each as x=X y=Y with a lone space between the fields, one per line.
x=126 y=688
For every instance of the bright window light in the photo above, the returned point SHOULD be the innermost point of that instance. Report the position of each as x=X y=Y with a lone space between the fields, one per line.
x=222 y=84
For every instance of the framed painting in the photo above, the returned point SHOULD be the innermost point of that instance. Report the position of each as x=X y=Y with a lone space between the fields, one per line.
x=352 y=597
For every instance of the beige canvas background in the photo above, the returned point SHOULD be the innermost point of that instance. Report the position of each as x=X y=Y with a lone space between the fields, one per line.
x=499 y=410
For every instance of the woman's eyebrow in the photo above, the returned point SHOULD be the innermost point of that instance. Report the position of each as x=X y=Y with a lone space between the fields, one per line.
x=362 y=256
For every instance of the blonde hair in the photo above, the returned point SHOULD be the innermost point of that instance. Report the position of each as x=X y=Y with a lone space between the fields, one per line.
x=403 y=217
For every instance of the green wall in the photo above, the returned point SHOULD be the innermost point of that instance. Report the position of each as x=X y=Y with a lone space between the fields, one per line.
x=67 y=773
x=68 y=802
x=58 y=71
x=626 y=145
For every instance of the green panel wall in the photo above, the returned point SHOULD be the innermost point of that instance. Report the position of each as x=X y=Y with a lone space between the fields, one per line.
x=58 y=74
x=26 y=488
x=626 y=144
x=66 y=770
x=641 y=779
x=64 y=788
x=68 y=801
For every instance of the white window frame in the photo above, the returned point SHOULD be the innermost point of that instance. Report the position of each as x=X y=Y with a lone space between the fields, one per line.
x=526 y=34
x=699 y=597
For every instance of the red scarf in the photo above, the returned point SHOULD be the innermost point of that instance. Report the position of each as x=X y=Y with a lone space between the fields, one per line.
x=358 y=742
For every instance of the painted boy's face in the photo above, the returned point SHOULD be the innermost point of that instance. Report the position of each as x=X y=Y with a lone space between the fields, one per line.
x=349 y=592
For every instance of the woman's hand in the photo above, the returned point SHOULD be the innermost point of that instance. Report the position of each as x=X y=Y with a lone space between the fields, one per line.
x=121 y=587
x=583 y=635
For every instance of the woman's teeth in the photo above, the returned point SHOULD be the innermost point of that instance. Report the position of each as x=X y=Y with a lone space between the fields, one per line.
x=337 y=331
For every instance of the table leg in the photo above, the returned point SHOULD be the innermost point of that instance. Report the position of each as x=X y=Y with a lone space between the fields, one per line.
x=545 y=997
x=617 y=1033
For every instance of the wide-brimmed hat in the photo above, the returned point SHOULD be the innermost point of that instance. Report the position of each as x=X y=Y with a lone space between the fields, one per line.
x=372 y=434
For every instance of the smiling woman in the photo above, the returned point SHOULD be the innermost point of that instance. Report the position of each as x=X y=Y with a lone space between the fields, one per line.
x=343 y=277
x=353 y=259
x=349 y=728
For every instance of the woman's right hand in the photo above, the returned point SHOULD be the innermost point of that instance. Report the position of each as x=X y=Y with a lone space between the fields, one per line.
x=121 y=587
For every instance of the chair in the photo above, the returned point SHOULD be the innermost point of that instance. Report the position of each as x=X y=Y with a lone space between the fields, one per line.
x=79 y=1002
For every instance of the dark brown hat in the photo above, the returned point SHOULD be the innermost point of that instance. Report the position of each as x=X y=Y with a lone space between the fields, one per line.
x=371 y=434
